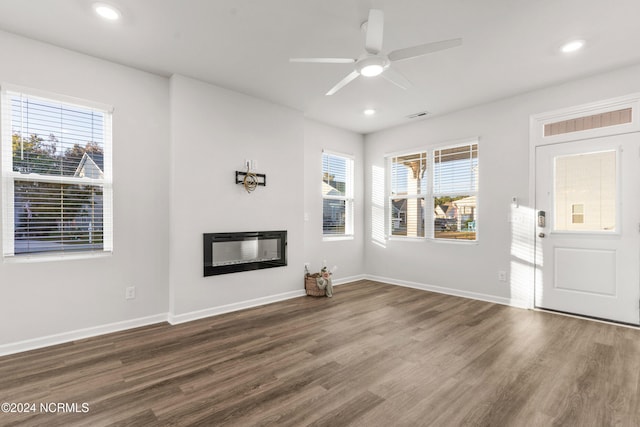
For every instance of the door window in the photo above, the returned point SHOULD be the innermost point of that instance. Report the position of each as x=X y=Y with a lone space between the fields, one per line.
x=585 y=192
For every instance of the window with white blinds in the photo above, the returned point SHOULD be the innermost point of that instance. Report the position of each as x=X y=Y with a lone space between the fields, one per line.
x=446 y=179
x=408 y=192
x=56 y=173
x=337 y=195
x=455 y=192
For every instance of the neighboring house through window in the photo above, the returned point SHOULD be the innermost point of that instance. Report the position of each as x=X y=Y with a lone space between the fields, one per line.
x=337 y=195
x=56 y=174
x=434 y=194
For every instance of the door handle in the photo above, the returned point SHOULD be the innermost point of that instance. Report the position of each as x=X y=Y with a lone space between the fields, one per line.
x=541 y=235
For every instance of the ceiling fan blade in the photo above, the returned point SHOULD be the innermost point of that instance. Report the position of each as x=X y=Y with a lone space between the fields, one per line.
x=396 y=78
x=423 y=49
x=324 y=60
x=375 y=26
x=342 y=83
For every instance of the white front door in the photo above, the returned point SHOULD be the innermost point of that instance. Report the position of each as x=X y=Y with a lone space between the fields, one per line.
x=588 y=227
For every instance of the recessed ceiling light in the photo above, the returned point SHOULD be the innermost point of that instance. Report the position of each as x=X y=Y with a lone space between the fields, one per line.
x=572 y=46
x=107 y=11
x=369 y=112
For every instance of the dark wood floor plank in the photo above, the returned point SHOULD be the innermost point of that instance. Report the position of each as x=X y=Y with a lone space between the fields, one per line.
x=373 y=355
x=350 y=411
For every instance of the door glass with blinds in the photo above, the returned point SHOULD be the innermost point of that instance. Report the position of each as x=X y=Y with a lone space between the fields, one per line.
x=455 y=192
x=408 y=192
x=56 y=171
x=585 y=192
x=337 y=195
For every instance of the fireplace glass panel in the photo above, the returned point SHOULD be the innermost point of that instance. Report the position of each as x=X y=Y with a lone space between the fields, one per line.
x=243 y=251
x=254 y=250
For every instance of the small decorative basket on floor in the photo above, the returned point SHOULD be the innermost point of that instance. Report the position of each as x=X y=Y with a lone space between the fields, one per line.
x=311 y=285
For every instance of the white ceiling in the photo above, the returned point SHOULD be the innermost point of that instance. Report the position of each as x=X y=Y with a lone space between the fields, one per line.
x=510 y=47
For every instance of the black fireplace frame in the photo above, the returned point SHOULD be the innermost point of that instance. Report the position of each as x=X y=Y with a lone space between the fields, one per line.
x=210 y=238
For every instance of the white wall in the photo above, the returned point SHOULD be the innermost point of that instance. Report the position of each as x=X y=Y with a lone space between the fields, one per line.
x=57 y=301
x=503 y=129
x=213 y=131
x=345 y=254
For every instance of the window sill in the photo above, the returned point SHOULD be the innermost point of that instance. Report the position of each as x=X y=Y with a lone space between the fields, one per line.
x=455 y=241
x=406 y=239
x=432 y=239
x=337 y=238
x=26 y=259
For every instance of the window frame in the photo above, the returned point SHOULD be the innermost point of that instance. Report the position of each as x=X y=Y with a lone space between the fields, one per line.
x=9 y=177
x=430 y=194
x=348 y=198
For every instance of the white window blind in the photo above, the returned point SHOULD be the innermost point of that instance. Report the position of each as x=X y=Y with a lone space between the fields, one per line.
x=408 y=191
x=455 y=192
x=56 y=172
x=337 y=195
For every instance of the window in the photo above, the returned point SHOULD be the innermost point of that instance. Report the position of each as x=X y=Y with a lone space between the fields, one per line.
x=337 y=195
x=577 y=213
x=56 y=174
x=445 y=179
x=455 y=192
x=408 y=191
x=586 y=192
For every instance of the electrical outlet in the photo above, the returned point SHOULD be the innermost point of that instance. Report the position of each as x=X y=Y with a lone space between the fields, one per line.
x=130 y=292
x=502 y=276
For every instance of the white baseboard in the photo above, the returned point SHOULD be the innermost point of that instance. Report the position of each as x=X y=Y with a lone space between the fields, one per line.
x=175 y=319
x=343 y=280
x=79 y=334
x=214 y=311
x=451 y=291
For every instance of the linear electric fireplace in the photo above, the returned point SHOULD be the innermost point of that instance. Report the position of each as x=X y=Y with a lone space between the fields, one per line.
x=232 y=252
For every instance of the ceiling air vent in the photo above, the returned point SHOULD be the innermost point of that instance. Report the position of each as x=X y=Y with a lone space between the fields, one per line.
x=415 y=115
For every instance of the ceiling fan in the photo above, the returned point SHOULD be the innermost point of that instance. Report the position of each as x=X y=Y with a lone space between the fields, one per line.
x=373 y=62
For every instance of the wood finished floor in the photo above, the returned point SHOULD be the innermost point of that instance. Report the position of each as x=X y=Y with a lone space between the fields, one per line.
x=373 y=355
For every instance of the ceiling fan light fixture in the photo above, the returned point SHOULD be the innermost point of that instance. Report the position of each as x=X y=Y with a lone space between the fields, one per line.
x=372 y=70
x=371 y=66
